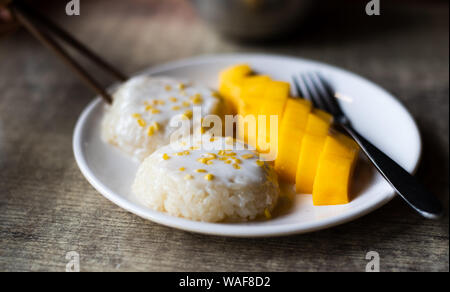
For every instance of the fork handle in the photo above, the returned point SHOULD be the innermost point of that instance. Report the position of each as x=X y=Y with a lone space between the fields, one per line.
x=416 y=195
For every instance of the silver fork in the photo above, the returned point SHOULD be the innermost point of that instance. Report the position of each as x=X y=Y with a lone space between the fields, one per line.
x=314 y=87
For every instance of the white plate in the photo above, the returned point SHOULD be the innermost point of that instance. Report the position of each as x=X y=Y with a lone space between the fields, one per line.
x=374 y=112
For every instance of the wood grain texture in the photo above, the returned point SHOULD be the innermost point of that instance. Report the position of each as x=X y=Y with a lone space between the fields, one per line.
x=47 y=208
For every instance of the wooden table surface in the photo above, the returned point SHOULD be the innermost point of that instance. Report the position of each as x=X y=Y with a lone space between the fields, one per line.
x=47 y=208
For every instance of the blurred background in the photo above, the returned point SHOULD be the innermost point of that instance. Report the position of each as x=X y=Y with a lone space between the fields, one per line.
x=405 y=50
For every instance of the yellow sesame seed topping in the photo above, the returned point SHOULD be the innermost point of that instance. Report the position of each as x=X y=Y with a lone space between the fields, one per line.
x=188 y=114
x=267 y=213
x=165 y=156
x=247 y=156
x=186 y=104
x=175 y=108
x=209 y=162
x=188 y=177
x=136 y=116
x=168 y=88
x=236 y=166
x=182 y=169
x=237 y=161
x=209 y=176
x=156 y=125
x=196 y=99
x=141 y=122
x=155 y=111
x=228 y=161
x=260 y=163
x=181 y=86
x=202 y=160
x=173 y=99
x=194 y=148
x=195 y=96
x=148 y=107
x=200 y=170
x=151 y=131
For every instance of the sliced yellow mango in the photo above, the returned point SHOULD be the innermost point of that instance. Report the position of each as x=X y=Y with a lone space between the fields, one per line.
x=247 y=129
x=292 y=129
x=253 y=91
x=316 y=131
x=335 y=171
x=275 y=99
x=235 y=72
x=252 y=95
x=230 y=81
x=277 y=90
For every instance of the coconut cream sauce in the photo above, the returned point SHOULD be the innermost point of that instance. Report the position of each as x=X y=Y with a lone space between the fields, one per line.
x=218 y=160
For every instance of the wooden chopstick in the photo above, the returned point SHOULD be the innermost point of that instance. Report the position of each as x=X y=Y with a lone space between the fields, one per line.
x=27 y=19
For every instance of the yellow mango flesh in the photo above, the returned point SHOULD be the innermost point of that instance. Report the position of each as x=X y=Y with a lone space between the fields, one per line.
x=275 y=100
x=290 y=139
x=234 y=72
x=335 y=171
x=230 y=82
x=316 y=131
x=252 y=95
x=277 y=90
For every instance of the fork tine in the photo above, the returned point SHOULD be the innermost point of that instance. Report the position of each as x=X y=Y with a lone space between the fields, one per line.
x=321 y=92
x=311 y=88
x=297 y=90
x=304 y=90
x=301 y=88
x=328 y=95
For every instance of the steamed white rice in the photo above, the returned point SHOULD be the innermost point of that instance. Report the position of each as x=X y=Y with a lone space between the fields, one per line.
x=235 y=185
x=144 y=102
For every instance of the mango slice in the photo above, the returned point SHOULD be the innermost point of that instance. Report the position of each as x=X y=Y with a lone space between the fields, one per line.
x=316 y=131
x=335 y=171
x=275 y=99
x=230 y=80
x=291 y=133
x=234 y=72
x=252 y=95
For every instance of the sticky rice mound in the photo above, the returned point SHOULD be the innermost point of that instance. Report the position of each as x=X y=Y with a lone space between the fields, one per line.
x=138 y=121
x=208 y=179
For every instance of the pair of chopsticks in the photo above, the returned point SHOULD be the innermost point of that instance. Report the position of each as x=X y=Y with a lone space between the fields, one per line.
x=41 y=28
